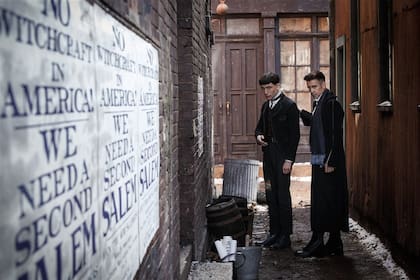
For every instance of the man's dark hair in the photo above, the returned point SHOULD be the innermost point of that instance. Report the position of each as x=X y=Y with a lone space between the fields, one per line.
x=315 y=75
x=269 y=77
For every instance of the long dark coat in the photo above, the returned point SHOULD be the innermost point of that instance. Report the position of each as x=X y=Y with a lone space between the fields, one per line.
x=282 y=146
x=329 y=194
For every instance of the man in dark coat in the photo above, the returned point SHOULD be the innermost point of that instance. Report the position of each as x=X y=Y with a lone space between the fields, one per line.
x=278 y=133
x=329 y=195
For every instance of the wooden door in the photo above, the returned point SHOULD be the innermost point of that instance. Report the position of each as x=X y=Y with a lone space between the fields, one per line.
x=243 y=68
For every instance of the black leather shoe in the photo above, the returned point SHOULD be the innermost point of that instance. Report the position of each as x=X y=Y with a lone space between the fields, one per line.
x=317 y=249
x=313 y=239
x=334 y=245
x=334 y=249
x=268 y=242
x=281 y=243
x=337 y=251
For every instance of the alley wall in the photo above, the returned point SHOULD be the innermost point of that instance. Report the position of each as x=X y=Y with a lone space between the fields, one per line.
x=378 y=44
x=105 y=124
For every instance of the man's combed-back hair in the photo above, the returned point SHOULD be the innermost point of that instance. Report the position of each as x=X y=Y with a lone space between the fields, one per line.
x=269 y=77
x=315 y=75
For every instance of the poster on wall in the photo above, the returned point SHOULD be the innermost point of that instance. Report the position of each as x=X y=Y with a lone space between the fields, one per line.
x=200 y=115
x=48 y=203
x=128 y=114
x=79 y=126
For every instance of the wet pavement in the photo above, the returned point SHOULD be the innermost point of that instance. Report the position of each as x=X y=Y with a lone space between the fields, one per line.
x=358 y=262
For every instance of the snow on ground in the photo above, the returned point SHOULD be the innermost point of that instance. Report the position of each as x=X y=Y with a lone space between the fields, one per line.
x=377 y=249
x=301 y=178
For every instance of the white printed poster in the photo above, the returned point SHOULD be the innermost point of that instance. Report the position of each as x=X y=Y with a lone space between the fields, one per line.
x=128 y=88
x=49 y=213
x=200 y=115
x=79 y=123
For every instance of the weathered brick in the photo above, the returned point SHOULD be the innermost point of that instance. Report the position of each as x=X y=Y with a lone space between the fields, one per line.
x=177 y=29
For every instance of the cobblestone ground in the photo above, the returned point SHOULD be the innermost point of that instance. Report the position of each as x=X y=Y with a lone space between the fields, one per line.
x=357 y=262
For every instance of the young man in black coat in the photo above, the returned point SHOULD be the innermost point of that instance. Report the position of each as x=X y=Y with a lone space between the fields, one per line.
x=278 y=133
x=329 y=195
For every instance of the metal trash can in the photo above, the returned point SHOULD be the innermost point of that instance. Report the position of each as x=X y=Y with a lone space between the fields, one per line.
x=240 y=178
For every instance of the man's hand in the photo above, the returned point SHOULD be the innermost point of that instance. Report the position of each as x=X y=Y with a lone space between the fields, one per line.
x=260 y=140
x=328 y=169
x=287 y=167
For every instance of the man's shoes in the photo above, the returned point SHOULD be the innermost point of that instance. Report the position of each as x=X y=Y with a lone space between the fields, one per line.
x=281 y=243
x=335 y=251
x=313 y=239
x=269 y=241
x=334 y=248
x=316 y=249
x=334 y=245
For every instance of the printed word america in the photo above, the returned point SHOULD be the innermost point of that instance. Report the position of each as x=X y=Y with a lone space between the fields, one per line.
x=26 y=100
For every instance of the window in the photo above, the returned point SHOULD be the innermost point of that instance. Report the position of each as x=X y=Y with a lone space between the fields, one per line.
x=323 y=24
x=341 y=69
x=293 y=25
x=385 y=55
x=303 y=46
x=355 y=57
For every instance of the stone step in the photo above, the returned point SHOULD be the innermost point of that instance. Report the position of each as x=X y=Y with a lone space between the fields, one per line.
x=211 y=270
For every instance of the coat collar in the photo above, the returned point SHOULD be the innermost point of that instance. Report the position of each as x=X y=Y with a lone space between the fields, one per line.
x=326 y=95
x=278 y=107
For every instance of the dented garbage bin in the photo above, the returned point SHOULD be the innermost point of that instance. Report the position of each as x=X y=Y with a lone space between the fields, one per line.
x=240 y=178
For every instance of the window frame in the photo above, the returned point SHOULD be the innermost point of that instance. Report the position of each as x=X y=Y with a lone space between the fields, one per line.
x=385 y=45
x=355 y=70
x=315 y=37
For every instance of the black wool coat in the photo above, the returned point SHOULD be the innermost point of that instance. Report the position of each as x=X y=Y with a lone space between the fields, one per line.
x=285 y=126
x=329 y=194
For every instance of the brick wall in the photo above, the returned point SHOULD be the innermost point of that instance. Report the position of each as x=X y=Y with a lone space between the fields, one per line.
x=177 y=29
x=194 y=169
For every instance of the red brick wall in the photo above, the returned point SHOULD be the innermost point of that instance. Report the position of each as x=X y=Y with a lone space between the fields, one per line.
x=177 y=29
x=194 y=62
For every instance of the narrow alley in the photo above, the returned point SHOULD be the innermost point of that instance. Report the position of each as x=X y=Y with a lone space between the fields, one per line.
x=365 y=257
x=115 y=113
x=359 y=261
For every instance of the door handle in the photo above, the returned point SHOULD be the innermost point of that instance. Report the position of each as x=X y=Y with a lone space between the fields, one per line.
x=418 y=107
x=228 y=108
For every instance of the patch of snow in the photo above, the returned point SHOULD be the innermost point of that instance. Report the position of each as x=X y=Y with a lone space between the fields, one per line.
x=377 y=249
x=301 y=178
x=302 y=163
